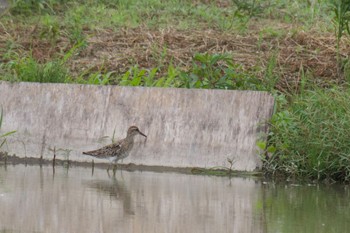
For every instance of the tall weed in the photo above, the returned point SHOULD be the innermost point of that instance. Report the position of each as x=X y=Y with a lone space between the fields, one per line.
x=27 y=69
x=311 y=136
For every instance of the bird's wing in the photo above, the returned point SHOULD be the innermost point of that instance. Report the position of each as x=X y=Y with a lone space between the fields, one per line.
x=105 y=151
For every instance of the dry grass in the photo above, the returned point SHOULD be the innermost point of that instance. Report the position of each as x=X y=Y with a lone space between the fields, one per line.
x=117 y=51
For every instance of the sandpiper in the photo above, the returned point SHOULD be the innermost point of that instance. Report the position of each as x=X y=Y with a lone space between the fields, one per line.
x=118 y=150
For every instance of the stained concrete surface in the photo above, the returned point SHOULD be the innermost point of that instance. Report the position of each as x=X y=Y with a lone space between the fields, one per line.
x=3 y=6
x=185 y=127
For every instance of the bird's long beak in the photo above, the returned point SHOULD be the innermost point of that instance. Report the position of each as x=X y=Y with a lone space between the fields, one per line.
x=142 y=134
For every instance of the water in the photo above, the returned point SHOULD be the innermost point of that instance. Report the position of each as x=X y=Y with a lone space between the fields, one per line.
x=33 y=199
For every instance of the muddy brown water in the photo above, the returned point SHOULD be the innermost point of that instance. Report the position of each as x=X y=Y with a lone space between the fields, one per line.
x=34 y=199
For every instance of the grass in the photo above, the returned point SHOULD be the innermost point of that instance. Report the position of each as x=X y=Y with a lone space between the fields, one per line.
x=182 y=14
x=28 y=69
x=284 y=47
x=154 y=34
x=311 y=136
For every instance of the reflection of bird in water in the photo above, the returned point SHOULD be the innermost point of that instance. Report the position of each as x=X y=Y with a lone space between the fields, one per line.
x=116 y=190
x=118 y=150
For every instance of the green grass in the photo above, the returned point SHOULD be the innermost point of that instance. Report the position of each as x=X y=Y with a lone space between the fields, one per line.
x=117 y=14
x=182 y=14
x=28 y=69
x=311 y=136
x=208 y=71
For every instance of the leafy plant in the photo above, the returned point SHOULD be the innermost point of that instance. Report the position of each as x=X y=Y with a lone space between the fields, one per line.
x=50 y=29
x=250 y=8
x=138 y=77
x=27 y=7
x=217 y=71
x=271 y=79
x=341 y=9
x=144 y=77
x=95 y=78
x=74 y=23
x=27 y=69
x=311 y=136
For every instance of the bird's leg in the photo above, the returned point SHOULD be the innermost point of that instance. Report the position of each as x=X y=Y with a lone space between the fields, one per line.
x=108 y=169
x=109 y=166
x=115 y=166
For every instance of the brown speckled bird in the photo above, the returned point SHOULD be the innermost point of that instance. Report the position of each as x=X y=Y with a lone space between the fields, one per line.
x=118 y=150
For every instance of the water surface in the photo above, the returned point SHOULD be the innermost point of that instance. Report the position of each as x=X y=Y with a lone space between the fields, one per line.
x=34 y=199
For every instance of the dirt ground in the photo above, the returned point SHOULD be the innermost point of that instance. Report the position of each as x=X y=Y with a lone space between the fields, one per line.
x=107 y=50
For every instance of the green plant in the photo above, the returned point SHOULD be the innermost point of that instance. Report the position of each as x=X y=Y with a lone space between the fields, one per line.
x=138 y=77
x=208 y=71
x=4 y=135
x=250 y=8
x=27 y=7
x=50 y=29
x=144 y=77
x=217 y=71
x=95 y=78
x=74 y=22
x=311 y=136
x=76 y=35
x=341 y=9
x=271 y=78
x=27 y=69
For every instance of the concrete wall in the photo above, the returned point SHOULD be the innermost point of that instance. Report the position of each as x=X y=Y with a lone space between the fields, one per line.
x=3 y=6
x=185 y=128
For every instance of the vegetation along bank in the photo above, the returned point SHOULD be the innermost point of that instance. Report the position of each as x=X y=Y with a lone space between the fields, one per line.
x=296 y=50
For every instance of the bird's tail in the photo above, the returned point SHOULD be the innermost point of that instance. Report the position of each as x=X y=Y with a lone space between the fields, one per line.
x=94 y=153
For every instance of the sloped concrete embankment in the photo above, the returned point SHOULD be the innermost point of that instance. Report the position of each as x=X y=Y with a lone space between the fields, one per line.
x=185 y=128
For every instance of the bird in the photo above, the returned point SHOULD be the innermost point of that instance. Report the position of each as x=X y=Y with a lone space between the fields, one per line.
x=118 y=150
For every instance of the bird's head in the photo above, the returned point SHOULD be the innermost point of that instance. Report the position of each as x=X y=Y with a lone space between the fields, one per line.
x=133 y=130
